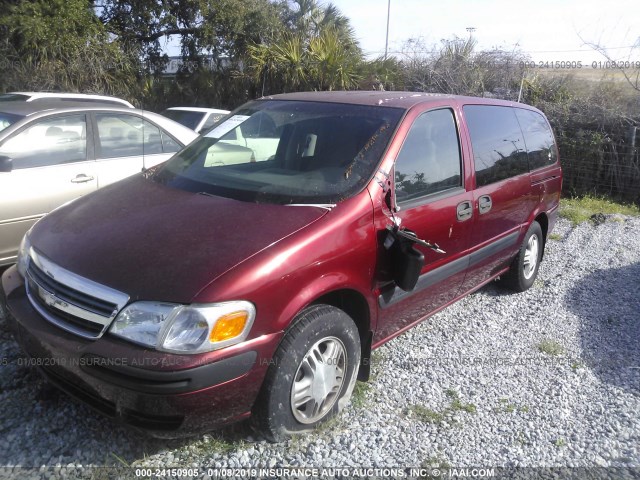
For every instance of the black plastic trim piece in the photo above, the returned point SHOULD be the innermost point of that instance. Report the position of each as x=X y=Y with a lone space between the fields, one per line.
x=101 y=405
x=105 y=407
x=493 y=248
x=172 y=382
x=396 y=294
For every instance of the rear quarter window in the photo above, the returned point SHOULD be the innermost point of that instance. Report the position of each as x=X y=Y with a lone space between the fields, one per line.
x=541 y=145
x=499 y=150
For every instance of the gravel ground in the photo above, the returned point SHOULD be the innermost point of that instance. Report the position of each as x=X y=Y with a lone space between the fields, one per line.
x=549 y=377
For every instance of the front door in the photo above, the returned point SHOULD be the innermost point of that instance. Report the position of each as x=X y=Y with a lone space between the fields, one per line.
x=434 y=203
x=50 y=167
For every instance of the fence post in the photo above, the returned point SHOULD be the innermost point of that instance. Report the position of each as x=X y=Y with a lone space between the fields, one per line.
x=633 y=163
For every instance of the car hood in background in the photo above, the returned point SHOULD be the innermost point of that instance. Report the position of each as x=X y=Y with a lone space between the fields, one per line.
x=157 y=243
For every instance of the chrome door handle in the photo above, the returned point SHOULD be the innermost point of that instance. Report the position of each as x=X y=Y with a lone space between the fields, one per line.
x=484 y=204
x=464 y=211
x=82 y=178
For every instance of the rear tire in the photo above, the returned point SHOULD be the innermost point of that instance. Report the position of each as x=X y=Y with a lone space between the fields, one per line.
x=524 y=269
x=312 y=374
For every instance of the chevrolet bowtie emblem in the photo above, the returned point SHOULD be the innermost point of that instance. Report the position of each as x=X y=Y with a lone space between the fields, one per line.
x=51 y=299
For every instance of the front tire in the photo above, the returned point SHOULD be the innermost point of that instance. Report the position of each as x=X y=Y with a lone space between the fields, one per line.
x=312 y=374
x=525 y=266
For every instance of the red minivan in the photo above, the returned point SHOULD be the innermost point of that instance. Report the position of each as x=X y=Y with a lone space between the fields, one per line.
x=255 y=271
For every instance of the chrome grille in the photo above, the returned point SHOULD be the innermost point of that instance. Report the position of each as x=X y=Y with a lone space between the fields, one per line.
x=70 y=301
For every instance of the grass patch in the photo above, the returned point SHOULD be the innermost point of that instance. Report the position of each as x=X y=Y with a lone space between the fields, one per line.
x=560 y=442
x=576 y=365
x=507 y=407
x=578 y=210
x=360 y=395
x=556 y=237
x=219 y=445
x=551 y=347
x=427 y=415
x=326 y=427
x=456 y=404
x=432 y=465
x=208 y=445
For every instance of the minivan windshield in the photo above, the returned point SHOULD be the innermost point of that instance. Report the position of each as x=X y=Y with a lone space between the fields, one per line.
x=286 y=152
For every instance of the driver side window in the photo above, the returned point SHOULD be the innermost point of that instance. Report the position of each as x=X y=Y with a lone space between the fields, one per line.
x=52 y=141
x=429 y=160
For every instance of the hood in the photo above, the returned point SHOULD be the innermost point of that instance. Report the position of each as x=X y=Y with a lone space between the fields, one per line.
x=158 y=243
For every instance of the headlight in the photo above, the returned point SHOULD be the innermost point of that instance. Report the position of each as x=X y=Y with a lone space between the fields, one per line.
x=23 y=255
x=193 y=328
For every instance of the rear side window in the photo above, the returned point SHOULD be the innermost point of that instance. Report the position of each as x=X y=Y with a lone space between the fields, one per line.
x=169 y=145
x=541 y=145
x=499 y=151
x=123 y=135
x=429 y=160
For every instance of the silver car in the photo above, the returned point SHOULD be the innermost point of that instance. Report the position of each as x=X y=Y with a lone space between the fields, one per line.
x=77 y=97
x=53 y=152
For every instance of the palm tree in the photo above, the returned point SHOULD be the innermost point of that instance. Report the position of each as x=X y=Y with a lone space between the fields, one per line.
x=334 y=65
x=321 y=52
x=283 y=62
x=311 y=19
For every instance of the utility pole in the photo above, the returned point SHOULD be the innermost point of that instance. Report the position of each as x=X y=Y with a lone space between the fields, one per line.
x=386 y=42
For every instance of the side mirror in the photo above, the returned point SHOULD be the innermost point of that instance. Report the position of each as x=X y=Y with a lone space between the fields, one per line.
x=407 y=261
x=6 y=164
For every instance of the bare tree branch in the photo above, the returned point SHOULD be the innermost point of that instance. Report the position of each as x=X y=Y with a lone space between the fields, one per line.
x=619 y=65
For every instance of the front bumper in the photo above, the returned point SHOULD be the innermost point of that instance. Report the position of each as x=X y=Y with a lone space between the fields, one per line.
x=164 y=394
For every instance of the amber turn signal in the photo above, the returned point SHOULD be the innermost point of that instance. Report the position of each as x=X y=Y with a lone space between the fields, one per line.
x=229 y=326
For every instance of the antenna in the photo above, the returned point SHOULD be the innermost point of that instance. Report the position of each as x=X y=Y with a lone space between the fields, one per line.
x=144 y=165
x=386 y=42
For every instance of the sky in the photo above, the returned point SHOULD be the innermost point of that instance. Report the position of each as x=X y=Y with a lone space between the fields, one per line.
x=547 y=30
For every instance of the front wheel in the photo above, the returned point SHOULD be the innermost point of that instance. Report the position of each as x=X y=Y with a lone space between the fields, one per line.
x=312 y=374
x=524 y=269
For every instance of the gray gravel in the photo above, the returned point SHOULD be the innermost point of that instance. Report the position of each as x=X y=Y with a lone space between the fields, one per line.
x=469 y=387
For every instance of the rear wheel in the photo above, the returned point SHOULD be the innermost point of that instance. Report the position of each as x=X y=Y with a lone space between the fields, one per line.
x=524 y=269
x=312 y=374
